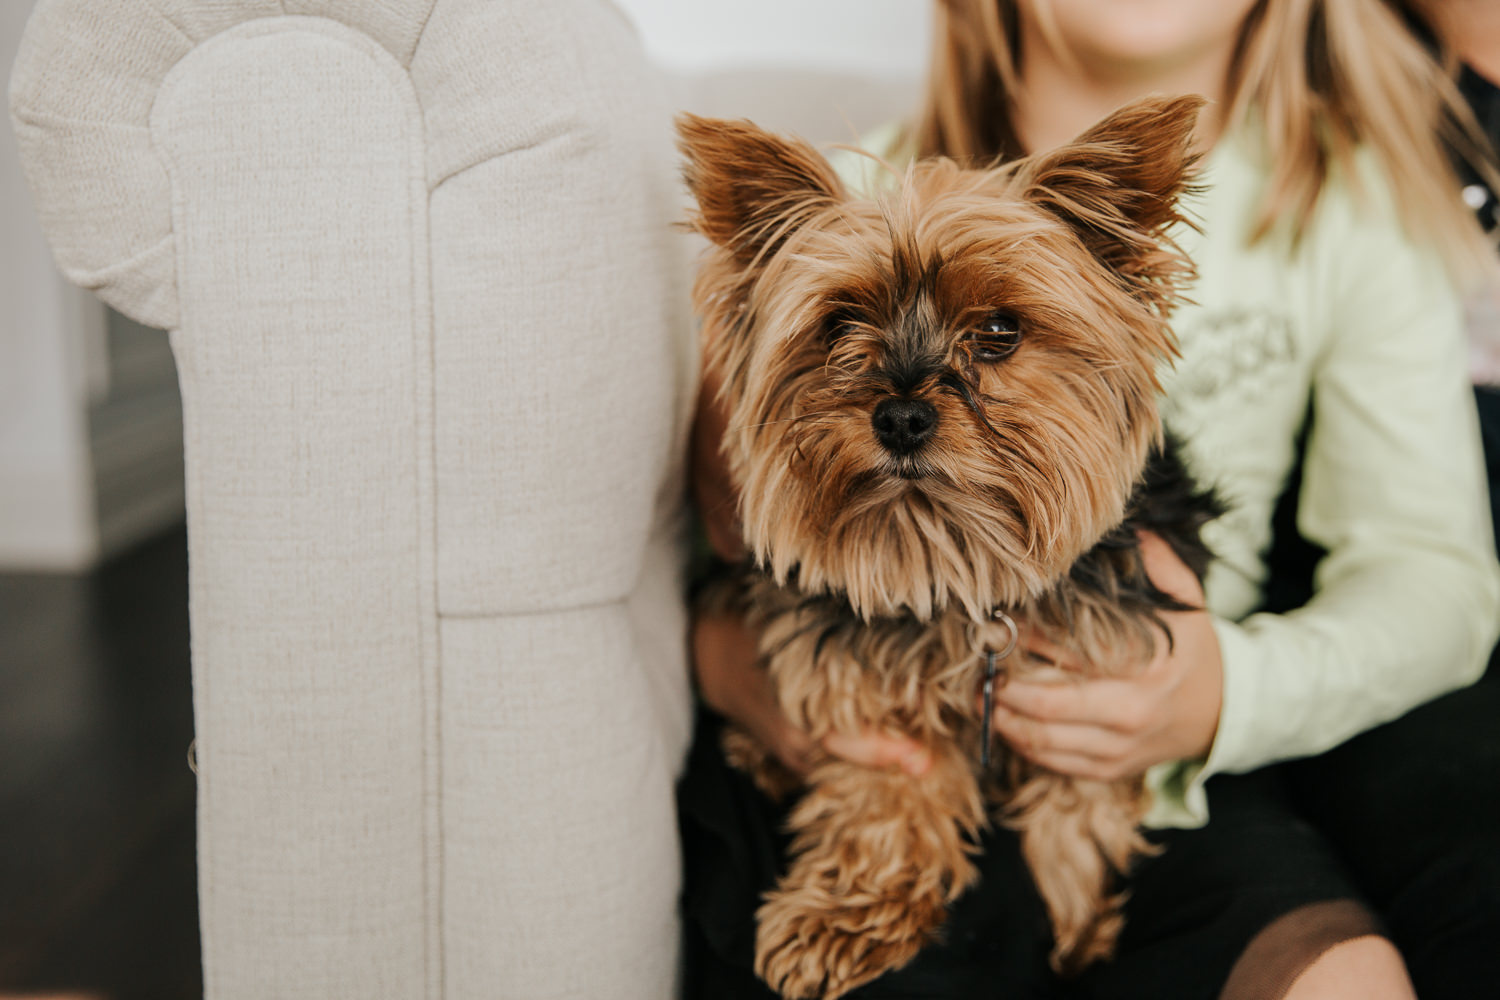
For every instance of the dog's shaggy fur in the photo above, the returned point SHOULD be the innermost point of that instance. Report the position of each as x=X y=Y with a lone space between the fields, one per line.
x=941 y=404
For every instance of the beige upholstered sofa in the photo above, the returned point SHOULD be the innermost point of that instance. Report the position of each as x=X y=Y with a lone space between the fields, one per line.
x=429 y=313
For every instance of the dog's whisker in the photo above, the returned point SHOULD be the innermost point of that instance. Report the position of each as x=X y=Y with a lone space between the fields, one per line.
x=791 y=420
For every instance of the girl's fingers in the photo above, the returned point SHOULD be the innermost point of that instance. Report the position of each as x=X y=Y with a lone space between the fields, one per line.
x=1114 y=705
x=1077 y=766
x=1031 y=738
x=879 y=750
x=1050 y=652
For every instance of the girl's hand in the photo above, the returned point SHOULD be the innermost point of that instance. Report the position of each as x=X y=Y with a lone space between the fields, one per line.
x=1110 y=729
x=737 y=687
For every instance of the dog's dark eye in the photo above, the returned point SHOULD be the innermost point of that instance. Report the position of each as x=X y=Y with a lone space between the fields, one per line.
x=995 y=337
x=836 y=327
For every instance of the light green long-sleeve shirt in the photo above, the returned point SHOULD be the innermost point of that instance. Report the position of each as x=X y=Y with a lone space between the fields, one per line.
x=1367 y=325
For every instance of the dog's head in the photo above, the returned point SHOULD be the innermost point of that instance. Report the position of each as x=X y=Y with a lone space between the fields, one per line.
x=947 y=394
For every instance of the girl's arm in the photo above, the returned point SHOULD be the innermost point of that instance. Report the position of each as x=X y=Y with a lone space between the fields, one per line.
x=1407 y=601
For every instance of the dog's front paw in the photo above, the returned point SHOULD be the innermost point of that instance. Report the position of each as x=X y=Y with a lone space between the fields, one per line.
x=818 y=949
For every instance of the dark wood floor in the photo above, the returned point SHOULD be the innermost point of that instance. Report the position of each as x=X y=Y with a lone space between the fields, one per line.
x=97 y=882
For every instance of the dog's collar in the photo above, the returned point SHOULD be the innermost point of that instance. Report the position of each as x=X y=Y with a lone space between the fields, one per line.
x=992 y=673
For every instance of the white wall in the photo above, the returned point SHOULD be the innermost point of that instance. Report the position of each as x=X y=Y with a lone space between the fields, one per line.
x=48 y=332
x=850 y=36
x=827 y=70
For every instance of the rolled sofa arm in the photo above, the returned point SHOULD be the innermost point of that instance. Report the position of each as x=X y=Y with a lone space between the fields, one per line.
x=416 y=263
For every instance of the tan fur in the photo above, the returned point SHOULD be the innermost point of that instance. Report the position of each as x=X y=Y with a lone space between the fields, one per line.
x=883 y=569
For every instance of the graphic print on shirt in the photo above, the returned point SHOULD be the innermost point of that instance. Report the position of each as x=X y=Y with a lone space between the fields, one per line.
x=1230 y=358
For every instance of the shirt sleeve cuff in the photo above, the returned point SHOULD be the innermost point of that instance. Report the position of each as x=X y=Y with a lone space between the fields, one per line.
x=1176 y=787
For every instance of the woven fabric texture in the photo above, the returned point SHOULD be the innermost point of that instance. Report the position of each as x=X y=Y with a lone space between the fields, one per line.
x=429 y=311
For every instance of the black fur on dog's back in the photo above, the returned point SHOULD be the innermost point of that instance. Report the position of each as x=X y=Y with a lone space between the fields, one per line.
x=1167 y=502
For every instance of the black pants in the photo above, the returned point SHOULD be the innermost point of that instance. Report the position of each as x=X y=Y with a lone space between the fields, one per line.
x=1413 y=809
x=1405 y=818
x=1192 y=912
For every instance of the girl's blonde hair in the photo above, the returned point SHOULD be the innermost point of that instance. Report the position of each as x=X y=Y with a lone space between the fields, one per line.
x=1364 y=79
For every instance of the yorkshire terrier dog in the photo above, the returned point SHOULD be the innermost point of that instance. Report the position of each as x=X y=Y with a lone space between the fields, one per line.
x=942 y=423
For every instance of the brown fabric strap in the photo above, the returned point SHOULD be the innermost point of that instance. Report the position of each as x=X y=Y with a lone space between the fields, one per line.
x=1284 y=949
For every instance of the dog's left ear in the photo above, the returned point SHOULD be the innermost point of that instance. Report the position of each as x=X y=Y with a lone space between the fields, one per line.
x=753 y=188
x=1118 y=186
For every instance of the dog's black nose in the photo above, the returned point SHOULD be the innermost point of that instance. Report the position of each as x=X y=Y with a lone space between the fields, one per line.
x=904 y=425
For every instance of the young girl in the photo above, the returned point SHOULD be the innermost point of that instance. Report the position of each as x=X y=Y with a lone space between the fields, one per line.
x=1324 y=313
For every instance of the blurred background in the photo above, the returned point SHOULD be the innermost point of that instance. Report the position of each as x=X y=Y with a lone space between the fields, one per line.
x=97 y=887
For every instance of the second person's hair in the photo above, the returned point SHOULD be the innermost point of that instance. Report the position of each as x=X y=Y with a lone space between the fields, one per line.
x=1320 y=77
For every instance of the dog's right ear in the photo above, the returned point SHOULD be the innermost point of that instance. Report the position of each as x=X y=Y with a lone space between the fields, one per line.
x=753 y=188
x=1120 y=185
